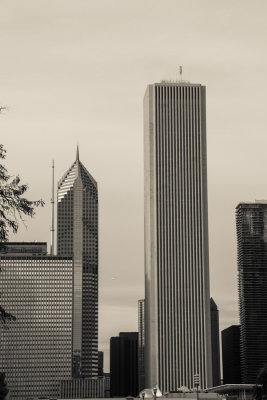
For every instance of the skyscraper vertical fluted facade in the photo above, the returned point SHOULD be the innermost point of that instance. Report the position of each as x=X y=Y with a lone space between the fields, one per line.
x=177 y=302
x=251 y=222
x=141 y=344
x=78 y=237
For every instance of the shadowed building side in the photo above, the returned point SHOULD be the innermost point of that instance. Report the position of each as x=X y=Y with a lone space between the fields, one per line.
x=141 y=344
x=231 y=355
x=124 y=365
x=215 y=343
x=251 y=222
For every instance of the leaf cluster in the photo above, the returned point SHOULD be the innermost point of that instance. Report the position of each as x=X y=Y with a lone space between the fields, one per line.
x=260 y=391
x=13 y=205
x=3 y=386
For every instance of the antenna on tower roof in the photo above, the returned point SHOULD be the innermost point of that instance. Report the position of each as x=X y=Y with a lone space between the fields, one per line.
x=52 y=212
x=181 y=73
x=77 y=153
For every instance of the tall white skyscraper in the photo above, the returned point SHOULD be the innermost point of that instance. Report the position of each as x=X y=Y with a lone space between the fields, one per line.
x=177 y=295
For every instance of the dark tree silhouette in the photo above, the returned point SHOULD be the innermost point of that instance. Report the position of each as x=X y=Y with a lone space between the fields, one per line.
x=261 y=384
x=13 y=207
x=3 y=386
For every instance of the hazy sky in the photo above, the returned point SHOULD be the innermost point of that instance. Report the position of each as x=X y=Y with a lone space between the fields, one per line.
x=76 y=71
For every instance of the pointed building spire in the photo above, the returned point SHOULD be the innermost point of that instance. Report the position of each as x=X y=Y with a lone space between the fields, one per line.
x=77 y=153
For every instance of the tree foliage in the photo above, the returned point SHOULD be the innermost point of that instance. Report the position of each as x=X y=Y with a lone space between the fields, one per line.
x=261 y=384
x=13 y=205
x=3 y=386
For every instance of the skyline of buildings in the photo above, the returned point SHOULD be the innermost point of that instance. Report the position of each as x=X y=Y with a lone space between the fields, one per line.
x=177 y=298
x=77 y=236
x=179 y=326
x=59 y=339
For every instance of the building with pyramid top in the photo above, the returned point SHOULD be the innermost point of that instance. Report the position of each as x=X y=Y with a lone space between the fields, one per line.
x=77 y=236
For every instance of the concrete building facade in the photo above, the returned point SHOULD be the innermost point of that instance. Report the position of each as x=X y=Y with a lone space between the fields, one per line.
x=177 y=295
x=36 y=348
x=82 y=388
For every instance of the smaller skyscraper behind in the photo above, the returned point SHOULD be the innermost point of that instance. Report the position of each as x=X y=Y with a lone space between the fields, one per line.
x=141 y=344
x=231 y=354
x=251 y=223
x=215 y=343
x=100 y=363
x=124 y=365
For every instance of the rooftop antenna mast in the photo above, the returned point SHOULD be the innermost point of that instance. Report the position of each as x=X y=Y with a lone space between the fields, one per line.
x=181 y=73
x=52 y=230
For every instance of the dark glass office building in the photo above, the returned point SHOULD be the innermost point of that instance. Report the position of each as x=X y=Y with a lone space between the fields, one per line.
x=78 y=236
x=231 y=355
x=251 y=222
x=124 y=365
x=215 y=343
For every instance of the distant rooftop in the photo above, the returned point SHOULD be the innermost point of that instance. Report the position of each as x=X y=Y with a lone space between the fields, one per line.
x=252 y=203
x=23 y=248
x=177 y=82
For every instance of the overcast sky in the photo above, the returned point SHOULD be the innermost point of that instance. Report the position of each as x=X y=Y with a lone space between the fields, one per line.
x=76 y=71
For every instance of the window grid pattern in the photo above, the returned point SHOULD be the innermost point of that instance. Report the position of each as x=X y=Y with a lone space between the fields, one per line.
x=78 y=236
x=82 y=388
x=251 y=223
x=178 y=277
x=36 y=348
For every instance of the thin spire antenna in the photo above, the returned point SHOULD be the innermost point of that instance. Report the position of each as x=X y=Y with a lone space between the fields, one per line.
x=52 y=244
x=181 y=73
x=77 y=153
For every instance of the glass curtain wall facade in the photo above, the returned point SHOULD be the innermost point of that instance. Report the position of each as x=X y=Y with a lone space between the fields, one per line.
x=251 y=222
x=177 y=295
x=36 y=348
x=78 y=236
